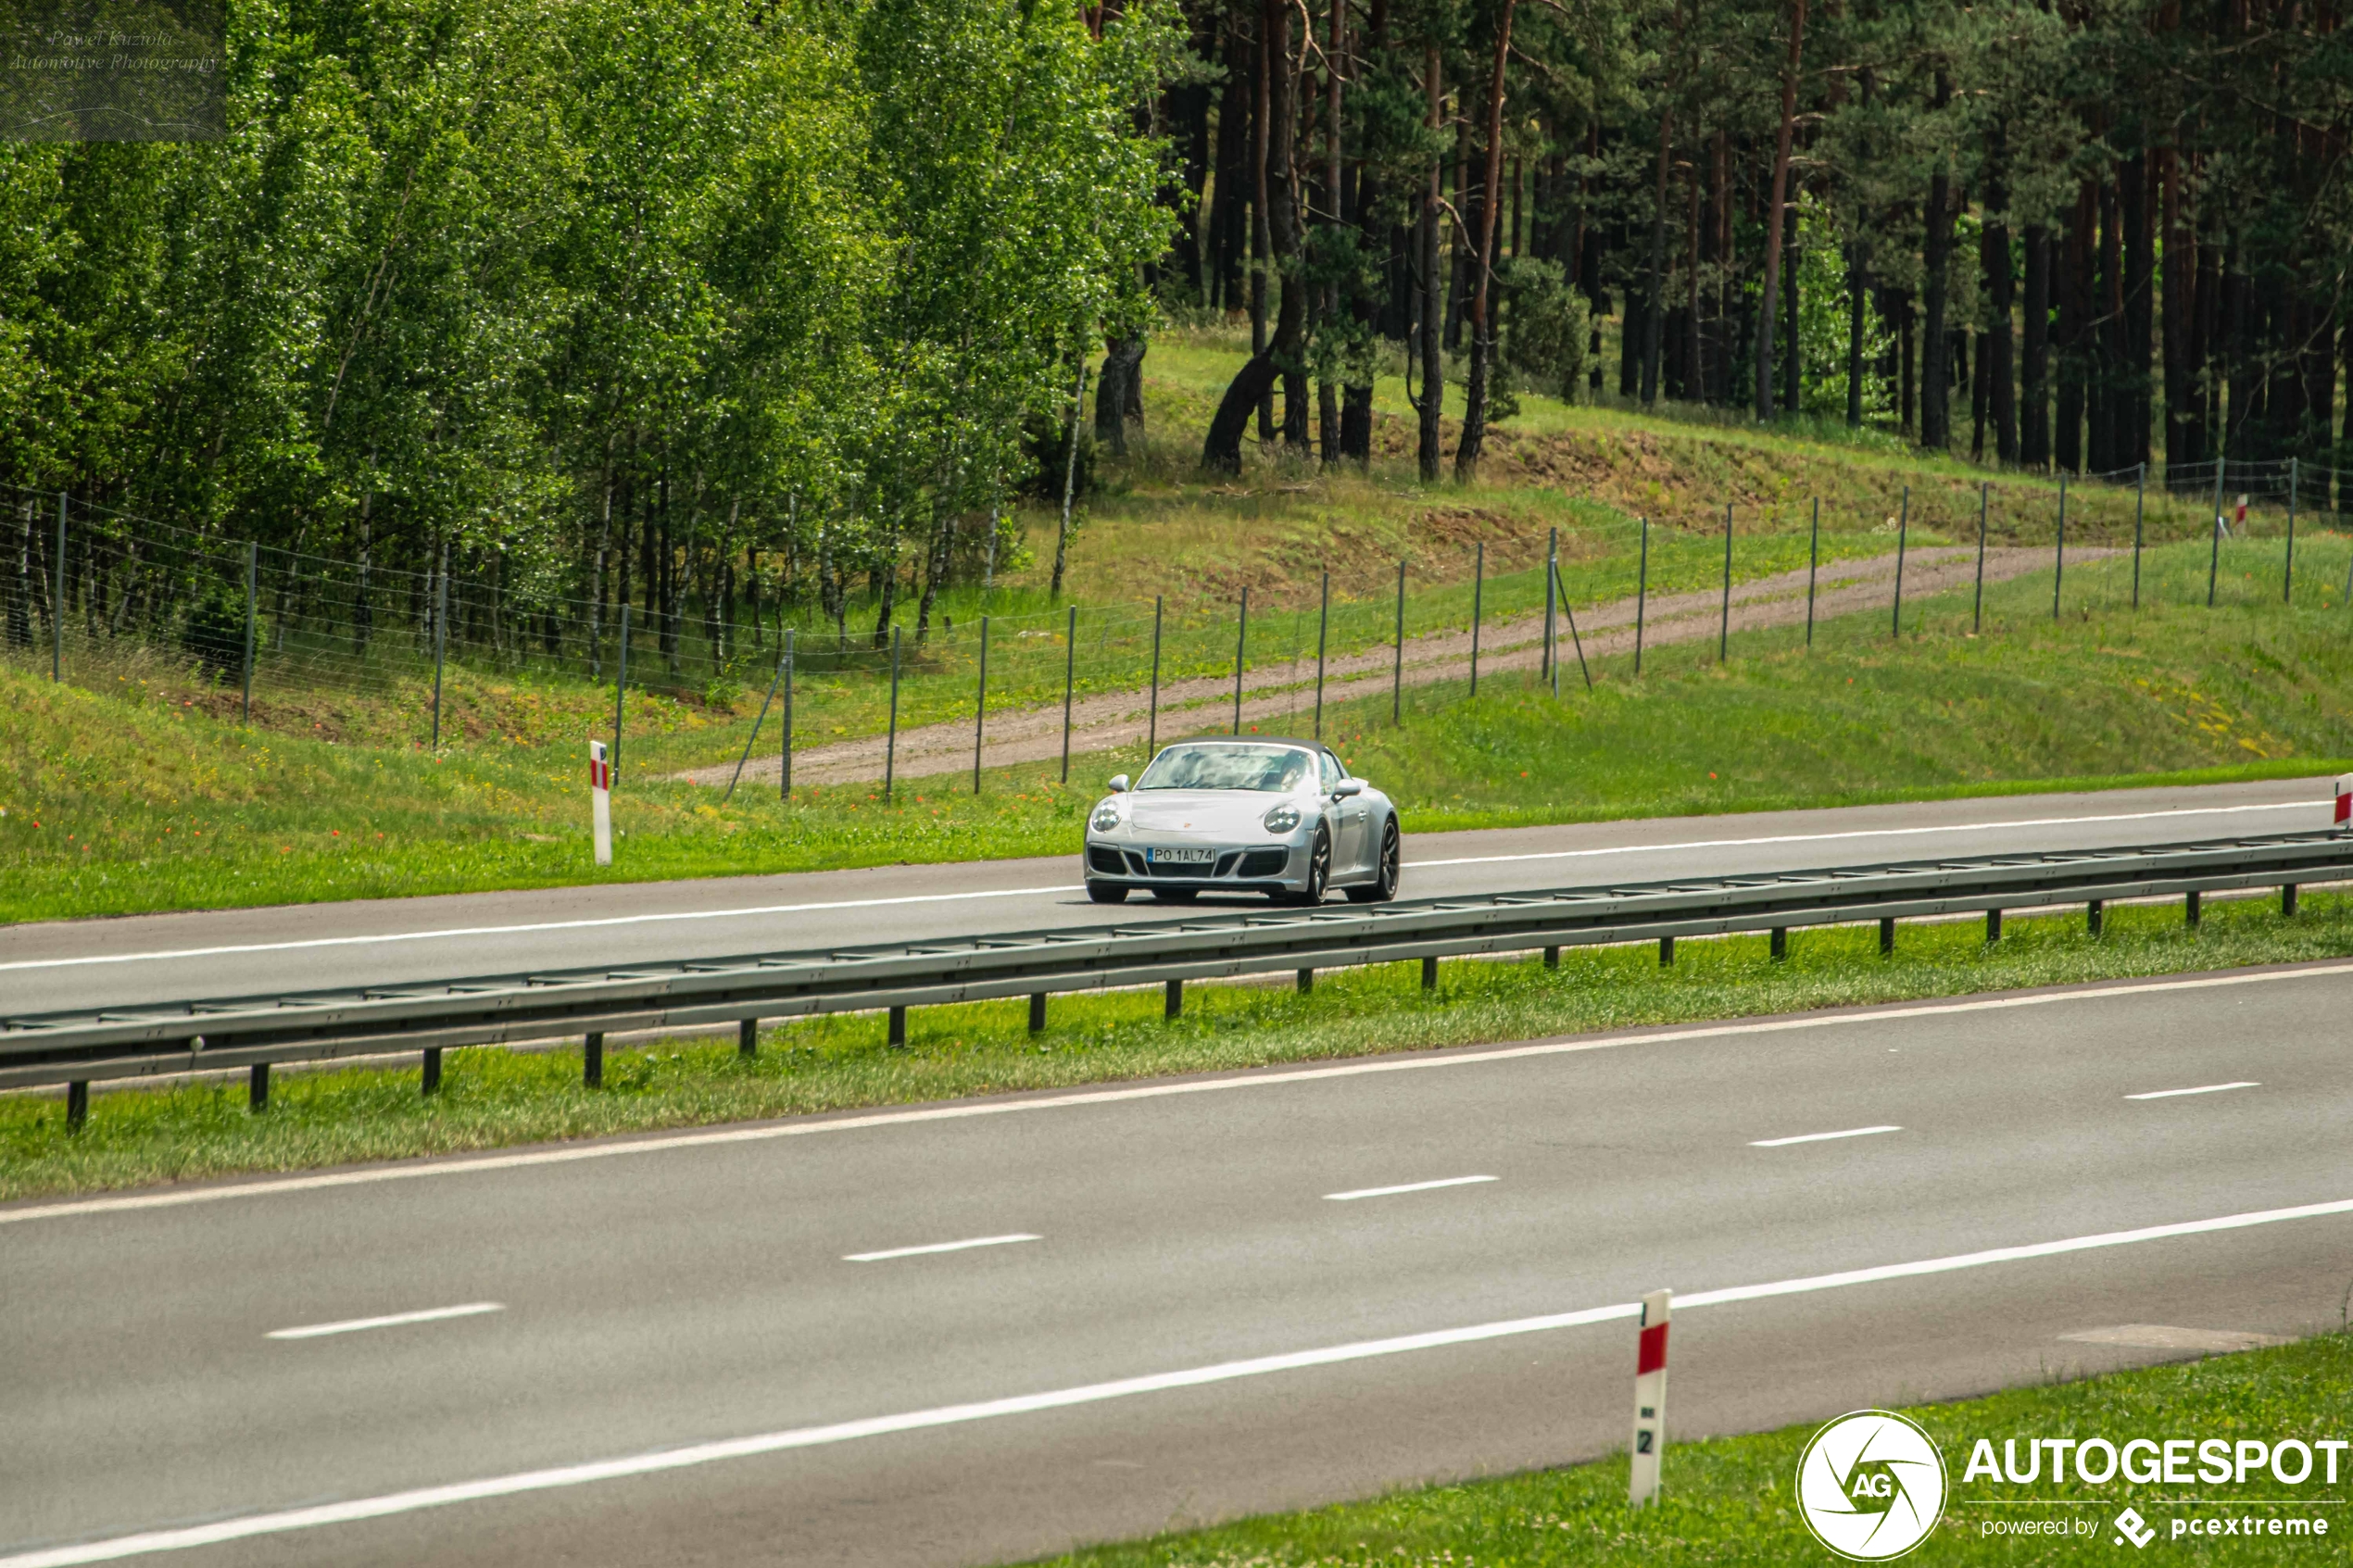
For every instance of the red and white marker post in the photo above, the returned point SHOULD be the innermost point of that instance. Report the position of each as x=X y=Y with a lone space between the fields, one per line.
x=2344 y=799
x=600 y=800
x=1650 y=1400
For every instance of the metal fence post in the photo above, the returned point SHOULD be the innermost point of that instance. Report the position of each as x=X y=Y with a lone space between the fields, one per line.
x=2287 y=578
x=981 y=705
x=57 y=598
x=891 y=741
x=752 y=739
x=440 y=638
x=1323 y=628
x=1152 y=721
x=620 y=690
x=1977 y=610
x=2058 y=556
x=784 y=779
x=1642 y=592
x=1070 y=675
x=1241 y=646
x=1903 y=533
x=1397 y=675
x=1478 y=596
x=2214 y=560
x=1548 y=665
x=1813 y=567
x=253 y=551
x=1724 y=626
x=1575 y=641
x=2140 y=494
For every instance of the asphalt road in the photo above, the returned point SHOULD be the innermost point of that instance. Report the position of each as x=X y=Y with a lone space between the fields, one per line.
x=657 y=1295
x=71 y=964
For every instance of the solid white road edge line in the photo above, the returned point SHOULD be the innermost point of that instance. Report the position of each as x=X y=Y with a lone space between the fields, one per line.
x=2201 y=1089
x=937 y=1247
x=524 y=929
x=1409 y=1187
x=631 y=1465
x=174 y=1198
x=1819 y=1137
x=353 y=1325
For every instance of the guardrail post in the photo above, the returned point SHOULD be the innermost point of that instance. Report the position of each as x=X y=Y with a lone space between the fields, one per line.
x=1993 y=926
x=2287 y=900
x=899 y=1029
x=1666 y=952
x=1306 y=981
x=592 y=1062
x=2190 y=909
x=1781 y=942
x=1552 y=957
x=748 y=1038
x=1429 y=974
x=257 y=1088
x=429 y=1081
x=2091 y=913
x=77 y=1104
x=1173 y=1000
x=1037 y=1011
x=1887 y=936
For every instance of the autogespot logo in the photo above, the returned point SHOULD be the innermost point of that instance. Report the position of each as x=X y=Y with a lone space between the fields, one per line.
x=1870 y=1486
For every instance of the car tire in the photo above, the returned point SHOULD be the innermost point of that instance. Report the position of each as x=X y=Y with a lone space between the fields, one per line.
x=1319 y=874
x=1383 y=887
x=1106 y=893
x=1174 y=895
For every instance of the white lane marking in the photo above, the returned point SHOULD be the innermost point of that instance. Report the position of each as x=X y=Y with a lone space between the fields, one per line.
x=629 y=1466
x=527 y=928
x=172 y=1197
x=1867 y=833
x=1820 y=1137
x=394 y=1320
x=937 y=1247
x=1409 y=1187
x=161 y=955
x=2201 y=1089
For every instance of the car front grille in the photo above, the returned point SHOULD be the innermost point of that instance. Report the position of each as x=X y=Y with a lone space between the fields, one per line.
x=1264 y=862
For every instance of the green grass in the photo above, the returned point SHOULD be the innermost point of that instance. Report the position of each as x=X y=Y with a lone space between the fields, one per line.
x=492 y=1097
x=1729 y=1500
x=123 y=801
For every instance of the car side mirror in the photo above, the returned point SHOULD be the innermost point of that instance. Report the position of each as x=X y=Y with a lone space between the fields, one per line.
x=1119 y=784
x=1348 y=786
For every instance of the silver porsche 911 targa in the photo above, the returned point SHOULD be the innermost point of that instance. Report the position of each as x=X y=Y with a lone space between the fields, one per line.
x=1256 y=815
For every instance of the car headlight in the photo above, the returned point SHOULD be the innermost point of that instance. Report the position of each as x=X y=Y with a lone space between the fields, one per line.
x=1283 y=818
x=1105 y=819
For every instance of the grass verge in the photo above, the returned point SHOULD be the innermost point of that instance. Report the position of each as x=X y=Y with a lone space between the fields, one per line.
x=1730 y=1500
x=492 y=1097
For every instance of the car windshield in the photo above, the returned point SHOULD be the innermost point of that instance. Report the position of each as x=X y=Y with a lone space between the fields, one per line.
x=1272 y=769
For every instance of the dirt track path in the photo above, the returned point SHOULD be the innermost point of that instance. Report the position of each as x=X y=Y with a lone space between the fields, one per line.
x=1273 y=690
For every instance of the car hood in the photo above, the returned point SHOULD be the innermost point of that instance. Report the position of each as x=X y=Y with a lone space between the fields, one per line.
x=1204 y=810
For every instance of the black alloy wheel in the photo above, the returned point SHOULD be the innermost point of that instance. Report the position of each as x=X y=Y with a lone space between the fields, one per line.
x=1384 y=884
x=1319 y=873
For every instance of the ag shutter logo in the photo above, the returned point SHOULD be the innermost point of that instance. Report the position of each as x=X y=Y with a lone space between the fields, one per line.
x=1870 y=1486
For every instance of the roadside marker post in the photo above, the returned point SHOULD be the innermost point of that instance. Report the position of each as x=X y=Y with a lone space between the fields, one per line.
x=600 y=800
x=1650 y=1400
x=2343 y=800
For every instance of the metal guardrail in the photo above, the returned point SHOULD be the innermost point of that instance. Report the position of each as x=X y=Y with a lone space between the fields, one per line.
x=75 y=1049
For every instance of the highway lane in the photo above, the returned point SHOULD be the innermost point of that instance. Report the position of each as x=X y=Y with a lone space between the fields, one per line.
x=667 y=1293
x=62 y=965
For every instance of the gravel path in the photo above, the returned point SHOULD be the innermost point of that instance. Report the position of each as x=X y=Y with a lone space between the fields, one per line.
x=1272 y=691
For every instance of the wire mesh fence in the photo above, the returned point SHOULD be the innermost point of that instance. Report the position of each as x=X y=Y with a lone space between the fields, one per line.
x=100 y=598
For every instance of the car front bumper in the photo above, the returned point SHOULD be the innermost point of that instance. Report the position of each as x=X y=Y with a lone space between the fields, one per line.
x=1256 y=867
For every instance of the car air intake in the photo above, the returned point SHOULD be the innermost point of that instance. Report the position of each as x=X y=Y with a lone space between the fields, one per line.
x=1264 y=862
x=1107 y=862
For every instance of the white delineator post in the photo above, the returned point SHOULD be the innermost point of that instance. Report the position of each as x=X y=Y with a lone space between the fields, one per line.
x=2344 y=799
x=1650 y=1400
x=600 y=800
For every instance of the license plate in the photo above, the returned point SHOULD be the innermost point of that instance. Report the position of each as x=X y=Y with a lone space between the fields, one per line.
x=1182 y=857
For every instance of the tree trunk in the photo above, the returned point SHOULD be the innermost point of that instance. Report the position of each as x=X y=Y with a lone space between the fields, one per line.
x=2034 y=422
x=1993 y=254
x=1474 y=436
x=1857 y=276
x=1655 y=295
x=1936 y=429
x=2181 y=299
x=1255 y=383
x=1433 y=399
x=1262 y=73
x=2074 y=286
x=1776 y=208
x=2140 y=285
x=1119 y=396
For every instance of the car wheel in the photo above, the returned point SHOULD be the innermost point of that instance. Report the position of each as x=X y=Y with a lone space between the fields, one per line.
x=1319 y=874
x=1384 y=884
x=1106 y=893
x=1174 y=895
